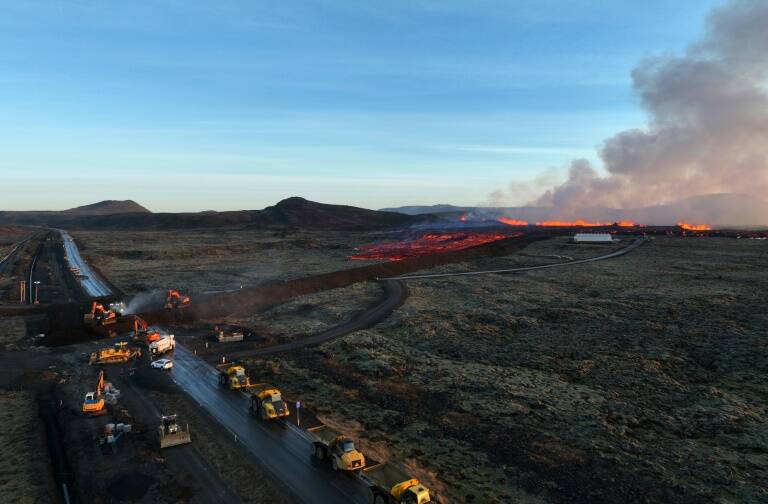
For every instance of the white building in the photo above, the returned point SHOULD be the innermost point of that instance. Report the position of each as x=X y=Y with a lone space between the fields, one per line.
x=592 y=238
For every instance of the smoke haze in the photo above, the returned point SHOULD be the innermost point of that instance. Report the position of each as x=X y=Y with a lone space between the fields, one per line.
x=707 y=128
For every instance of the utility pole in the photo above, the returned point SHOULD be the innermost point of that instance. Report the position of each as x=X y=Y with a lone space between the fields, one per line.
x=23 y=290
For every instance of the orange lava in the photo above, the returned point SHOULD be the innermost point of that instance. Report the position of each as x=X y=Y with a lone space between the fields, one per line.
x=576 y=223
x=431 y=243
x=694 y=227
x=463 y=218
x=512 y=222
x=626 y=223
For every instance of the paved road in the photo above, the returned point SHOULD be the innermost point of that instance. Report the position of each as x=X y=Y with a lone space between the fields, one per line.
x=13 y=251
x=394 y=295
x=93 y=284
x=613 y=254
x=281 y=448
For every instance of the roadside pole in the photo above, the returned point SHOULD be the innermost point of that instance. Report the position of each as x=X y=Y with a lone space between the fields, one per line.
x=298 y=413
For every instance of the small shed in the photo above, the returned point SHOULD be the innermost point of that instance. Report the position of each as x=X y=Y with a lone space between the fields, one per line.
x=592 y=238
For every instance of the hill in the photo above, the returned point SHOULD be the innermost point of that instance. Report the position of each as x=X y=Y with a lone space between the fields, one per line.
x=433 y=209
x=109 y=207
x=719 y=210
x=290 y=213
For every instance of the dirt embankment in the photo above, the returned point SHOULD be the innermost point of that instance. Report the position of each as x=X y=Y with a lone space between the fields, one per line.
x=25 y=475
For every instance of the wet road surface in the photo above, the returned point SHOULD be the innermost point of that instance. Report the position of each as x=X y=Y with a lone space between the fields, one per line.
x=281 y=448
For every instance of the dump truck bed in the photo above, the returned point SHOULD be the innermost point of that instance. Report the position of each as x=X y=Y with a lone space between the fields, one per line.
x=323 y=434
x=386 y=475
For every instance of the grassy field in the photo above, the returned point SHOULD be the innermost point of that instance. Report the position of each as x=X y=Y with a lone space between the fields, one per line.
x=22 y=475
x=12 y=332
x=209 y=260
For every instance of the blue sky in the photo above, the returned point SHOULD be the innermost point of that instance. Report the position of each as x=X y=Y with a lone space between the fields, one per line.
x=186 y=105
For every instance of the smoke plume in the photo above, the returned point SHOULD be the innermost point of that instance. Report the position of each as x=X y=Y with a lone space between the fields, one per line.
x=707 y=128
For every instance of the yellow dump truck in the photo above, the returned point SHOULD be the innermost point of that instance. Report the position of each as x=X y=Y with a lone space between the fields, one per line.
x=391 y=484
x=233 y=376
x=115 y=355
x=267 y=402
x=330 y=444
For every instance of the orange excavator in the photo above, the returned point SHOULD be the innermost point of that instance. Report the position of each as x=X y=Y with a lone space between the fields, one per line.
x=176 y=299
x=142 y=332
x=94 y=404
x=101 y=315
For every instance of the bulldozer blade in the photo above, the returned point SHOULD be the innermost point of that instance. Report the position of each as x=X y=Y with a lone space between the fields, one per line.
x=179 y=438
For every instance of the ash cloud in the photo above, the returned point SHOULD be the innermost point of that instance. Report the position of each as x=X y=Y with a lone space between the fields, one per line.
x=707 y=128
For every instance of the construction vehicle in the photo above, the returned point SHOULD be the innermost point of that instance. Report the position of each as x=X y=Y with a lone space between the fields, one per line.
x=176 y=300
x=170 y=433
x=142 y=333
x=95 y=403
x=267 y=402
x=117 y=354
x=233 y=376
x=229 y=337
x=165 y=344
x=100 y=315
x=331 y=444
x=391 y=484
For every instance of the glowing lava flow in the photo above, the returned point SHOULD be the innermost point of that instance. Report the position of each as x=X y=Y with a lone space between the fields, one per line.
x=431 y=243
x=576 y=223
x=512 y=222
x=694 y=227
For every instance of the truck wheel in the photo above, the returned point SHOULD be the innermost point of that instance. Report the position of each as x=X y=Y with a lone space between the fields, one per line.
x=222 y=379
x=263 y=413
x=334 y=464
x=319 y=452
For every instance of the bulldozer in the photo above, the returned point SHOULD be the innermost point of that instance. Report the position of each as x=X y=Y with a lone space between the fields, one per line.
x=170 y=433
x=142 y=333
x=117 y=354
x=176 y=299
x=233 y=376
x=100 y=315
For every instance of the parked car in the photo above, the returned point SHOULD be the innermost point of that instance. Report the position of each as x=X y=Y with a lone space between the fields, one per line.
x=165 y=364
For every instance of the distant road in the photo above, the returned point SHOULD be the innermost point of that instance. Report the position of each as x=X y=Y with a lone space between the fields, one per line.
x=394 y=295
x=616 y=253
x=94 y=285
x=13 y=251
x=281 y=448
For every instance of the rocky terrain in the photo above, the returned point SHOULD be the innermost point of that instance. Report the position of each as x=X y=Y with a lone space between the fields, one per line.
x=638 y=379
x=633 y=380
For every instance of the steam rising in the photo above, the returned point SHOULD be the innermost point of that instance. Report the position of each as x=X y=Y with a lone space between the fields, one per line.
x=145 y=301
x=708 y=123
